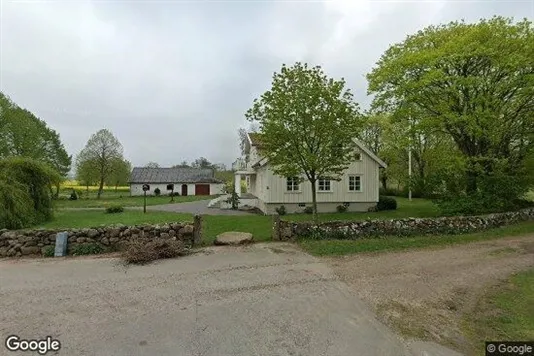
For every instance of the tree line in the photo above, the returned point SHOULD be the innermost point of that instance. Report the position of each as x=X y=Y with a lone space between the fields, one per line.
x=459 y=96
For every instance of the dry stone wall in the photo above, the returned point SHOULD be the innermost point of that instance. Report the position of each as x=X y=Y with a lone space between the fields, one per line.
x=37 y=242
x=287 y=230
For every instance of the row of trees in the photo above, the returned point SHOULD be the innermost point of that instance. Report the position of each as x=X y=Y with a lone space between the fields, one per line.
x=460 y=95
x=200 y=162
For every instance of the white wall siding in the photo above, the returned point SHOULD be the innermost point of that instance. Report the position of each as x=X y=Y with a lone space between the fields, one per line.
x=216 y=188
x=367 y=168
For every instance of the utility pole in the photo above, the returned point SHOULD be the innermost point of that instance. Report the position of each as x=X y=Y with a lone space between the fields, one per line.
x=410 y=159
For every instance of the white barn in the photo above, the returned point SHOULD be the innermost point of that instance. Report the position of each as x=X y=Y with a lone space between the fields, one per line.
x=187 y=181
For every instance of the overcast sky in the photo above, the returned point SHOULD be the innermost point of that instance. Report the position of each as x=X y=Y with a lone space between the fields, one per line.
x=173 y=79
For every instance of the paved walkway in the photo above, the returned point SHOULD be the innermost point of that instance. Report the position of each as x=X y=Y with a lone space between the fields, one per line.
x=262 y=299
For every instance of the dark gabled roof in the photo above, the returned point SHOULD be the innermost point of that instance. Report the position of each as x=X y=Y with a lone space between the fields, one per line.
x=172 y=175
x=255 y=138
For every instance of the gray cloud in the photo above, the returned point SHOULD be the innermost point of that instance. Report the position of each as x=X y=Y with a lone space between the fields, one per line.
x=172 y=80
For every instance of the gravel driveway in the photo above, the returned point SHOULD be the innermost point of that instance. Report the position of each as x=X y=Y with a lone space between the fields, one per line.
x=196 y=207
x=263 y=299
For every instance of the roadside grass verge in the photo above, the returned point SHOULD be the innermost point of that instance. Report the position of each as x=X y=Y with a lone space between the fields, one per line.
x=504 y=312
x=346 y=247
x=94 y=218
x=125 y=200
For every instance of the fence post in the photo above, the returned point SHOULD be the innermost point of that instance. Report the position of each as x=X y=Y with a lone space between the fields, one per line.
x=197 y=230
x=62 y=239
x=276 y=227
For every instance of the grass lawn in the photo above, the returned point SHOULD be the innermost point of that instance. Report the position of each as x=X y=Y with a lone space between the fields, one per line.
x=405 y=209
x=505 y=312
x=124 y=199
x=344 y=247
x=258 y=225
x=93 y=218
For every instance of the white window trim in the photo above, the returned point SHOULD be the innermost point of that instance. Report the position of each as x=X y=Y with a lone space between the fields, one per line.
x=293 y=191
x=324 y=191
x=361 y=183
x=361 y=157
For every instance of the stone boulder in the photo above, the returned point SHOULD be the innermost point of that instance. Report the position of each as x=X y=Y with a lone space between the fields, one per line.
x=233 y=238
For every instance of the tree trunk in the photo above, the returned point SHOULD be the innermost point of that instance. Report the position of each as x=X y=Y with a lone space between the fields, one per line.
x=314 y=200
x=384 y=179
x=471 y=172
x=57 y=190
x=471 y=182
x=100 y=188
x=116 y=186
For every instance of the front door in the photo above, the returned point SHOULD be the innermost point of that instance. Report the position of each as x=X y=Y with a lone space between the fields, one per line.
x=184 y=189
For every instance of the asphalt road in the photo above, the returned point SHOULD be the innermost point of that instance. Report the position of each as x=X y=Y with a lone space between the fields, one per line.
x=263 y=299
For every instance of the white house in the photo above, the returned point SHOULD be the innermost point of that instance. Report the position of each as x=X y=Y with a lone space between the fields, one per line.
x=357 y=189
x=187 y=181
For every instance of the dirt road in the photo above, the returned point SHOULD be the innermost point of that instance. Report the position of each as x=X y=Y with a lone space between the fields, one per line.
x=264 y=299
x=425 y=293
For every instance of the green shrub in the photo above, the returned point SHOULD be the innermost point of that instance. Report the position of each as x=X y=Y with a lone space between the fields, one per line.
x=391 y=192
x=386 y=203
x=308 y=210
x=233 y=200
x=114 y=209
x=49 y=251
x=175 y=194
x=86 y=249
x=73 y=195
x=25 y=196
x=16 y=211
x=341 y=208
x=281 y=210
x=157 y=192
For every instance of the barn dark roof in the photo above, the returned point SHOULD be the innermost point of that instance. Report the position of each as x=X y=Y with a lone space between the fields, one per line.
x=255 y=138
x=172 y=175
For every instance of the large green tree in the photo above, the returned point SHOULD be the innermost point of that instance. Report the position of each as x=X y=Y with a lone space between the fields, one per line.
x=120 y=173
x=25 y=135
x=473 y=82
x=308 y=123
x=99 y=157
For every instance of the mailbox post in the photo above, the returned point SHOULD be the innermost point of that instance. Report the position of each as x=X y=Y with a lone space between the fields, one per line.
x=146 y=188
x=171 y=188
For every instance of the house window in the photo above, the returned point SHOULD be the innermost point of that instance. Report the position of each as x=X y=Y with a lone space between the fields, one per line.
x=358 y=156
x=324 y=185
x=292 y=184
x=355 y=183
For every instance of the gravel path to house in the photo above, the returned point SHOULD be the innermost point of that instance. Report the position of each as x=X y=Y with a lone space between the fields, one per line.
x=425 y=293
x=261 y=299
x=194 y=207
